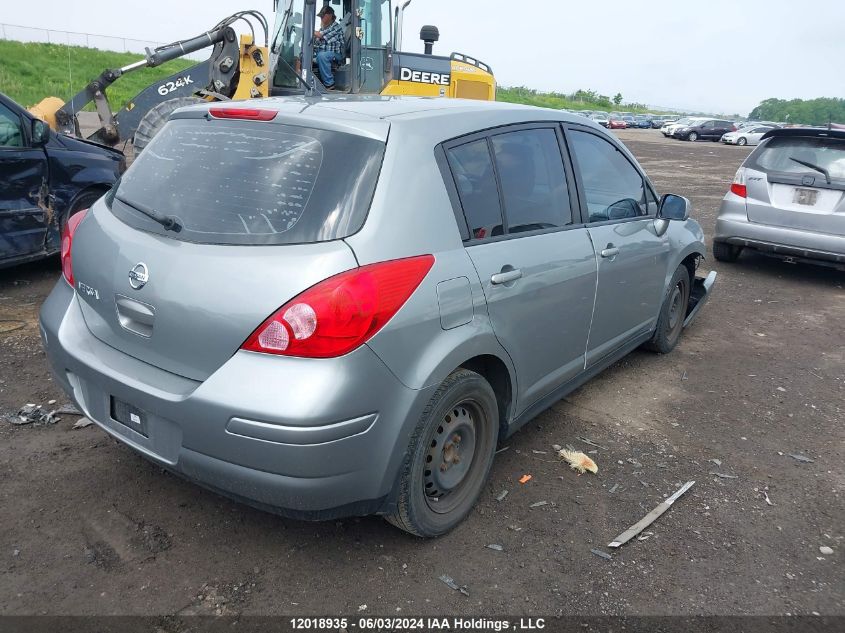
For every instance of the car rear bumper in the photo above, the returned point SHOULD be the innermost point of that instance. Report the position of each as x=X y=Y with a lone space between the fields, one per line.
x=733 y=227
x=305 y=438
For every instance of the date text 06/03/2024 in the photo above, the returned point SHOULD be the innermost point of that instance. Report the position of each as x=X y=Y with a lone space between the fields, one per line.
x=417 y=624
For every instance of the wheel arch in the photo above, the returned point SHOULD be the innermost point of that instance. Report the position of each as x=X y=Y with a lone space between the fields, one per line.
x=92 y=189
x=691 y=263
x=494 y=370
x=688 y=254
x=63 y=204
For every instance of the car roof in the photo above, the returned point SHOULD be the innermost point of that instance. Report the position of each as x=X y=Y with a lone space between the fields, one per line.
x=372 y=115
x=374 y=106
x=805 y=131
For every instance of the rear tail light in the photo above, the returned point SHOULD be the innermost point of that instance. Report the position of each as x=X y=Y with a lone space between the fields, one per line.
x=739 y=190
x=248 y=114
x=67 y=244
x=342 y=312
x=738 y=185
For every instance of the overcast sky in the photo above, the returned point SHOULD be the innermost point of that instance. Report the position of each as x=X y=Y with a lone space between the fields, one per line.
x=716 y=55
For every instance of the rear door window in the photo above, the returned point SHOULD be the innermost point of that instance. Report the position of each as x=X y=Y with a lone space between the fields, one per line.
x=533 y=180
x=472 y=169
x=247 y=182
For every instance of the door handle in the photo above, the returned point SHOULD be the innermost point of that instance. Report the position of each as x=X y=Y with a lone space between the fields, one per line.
x=610 y=251
x=505 y=277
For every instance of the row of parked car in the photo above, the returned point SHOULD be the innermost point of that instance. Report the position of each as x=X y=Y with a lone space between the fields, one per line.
x=685 y=128
x=623 y=120
x=697 y=128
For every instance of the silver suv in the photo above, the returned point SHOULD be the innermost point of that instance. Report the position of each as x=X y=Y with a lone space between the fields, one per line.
x=338 y=307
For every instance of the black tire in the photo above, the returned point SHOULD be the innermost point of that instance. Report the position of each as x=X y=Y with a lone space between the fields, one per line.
x=725 y=252
x=461 y=418
x=82 y=202
x=692 y=136
x=742 y=141
x=670 y=323
x=155 y=119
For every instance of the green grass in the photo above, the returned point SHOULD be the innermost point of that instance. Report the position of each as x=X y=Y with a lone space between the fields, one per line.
x=558 y=101
x=31 y=71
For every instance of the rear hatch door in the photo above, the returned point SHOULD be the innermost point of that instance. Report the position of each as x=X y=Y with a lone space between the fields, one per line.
x=786 y=193
x=263 y=210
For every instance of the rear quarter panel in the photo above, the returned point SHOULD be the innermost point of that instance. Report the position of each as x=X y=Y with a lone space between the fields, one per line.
x=415 y=345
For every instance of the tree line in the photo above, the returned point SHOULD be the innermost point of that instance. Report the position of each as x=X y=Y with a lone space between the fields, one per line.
x=819 y=111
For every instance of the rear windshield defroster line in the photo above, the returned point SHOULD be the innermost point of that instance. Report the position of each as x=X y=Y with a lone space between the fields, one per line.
x=242 y=182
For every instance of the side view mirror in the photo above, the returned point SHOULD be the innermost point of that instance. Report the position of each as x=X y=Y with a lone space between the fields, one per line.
x=40 y=133
x=673 y=207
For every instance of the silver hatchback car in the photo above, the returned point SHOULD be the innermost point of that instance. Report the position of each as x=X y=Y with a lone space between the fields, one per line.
x=334 y=307
x=787 y=200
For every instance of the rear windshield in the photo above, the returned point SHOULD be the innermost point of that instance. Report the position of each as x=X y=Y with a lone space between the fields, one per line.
x=248 y=182
x=777 y=154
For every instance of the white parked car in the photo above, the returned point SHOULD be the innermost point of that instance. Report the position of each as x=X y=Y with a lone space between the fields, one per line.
x=745 y=136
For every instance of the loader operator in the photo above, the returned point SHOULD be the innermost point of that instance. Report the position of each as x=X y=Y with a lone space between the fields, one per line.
x=328 y=45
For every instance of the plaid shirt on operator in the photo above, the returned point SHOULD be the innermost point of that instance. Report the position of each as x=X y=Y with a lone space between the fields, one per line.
x=332 y=40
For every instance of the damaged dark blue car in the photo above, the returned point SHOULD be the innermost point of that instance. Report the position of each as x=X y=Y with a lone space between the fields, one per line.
x=44 y=179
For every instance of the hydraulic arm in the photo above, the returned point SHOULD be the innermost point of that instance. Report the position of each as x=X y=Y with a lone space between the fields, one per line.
x=235 y=69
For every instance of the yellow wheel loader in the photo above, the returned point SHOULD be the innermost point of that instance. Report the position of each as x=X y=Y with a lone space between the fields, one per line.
x=373 y=60
x=372 y=63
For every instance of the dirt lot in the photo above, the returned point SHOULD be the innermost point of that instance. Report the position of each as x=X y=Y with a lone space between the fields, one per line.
x=88 y=527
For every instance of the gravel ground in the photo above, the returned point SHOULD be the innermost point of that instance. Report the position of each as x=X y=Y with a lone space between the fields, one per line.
x=88 y=527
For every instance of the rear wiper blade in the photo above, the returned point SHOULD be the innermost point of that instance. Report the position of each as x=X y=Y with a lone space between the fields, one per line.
x=169 y=222
x=812 y=166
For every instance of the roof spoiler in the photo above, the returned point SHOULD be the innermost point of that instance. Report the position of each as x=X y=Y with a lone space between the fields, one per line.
x=806 y=132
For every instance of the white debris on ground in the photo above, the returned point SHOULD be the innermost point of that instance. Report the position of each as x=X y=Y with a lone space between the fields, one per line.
x=36 y=414
x=577 y=460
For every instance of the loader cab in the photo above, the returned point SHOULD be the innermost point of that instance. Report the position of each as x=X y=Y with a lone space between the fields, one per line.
x=368 y=28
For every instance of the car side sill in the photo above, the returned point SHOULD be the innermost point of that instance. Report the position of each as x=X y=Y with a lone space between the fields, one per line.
x=24 y=259
x=568 y=387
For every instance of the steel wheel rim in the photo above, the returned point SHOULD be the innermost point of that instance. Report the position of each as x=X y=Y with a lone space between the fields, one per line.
x=677 y=309
x=693 y=137
x=451 y=462
x=741 y=141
